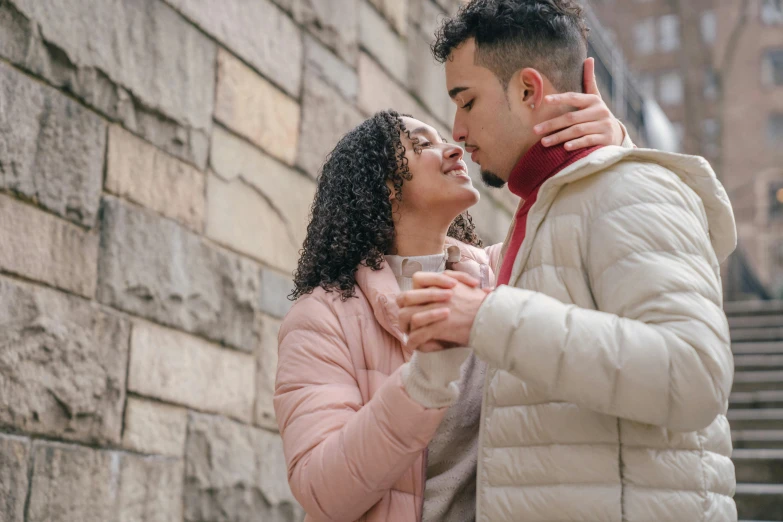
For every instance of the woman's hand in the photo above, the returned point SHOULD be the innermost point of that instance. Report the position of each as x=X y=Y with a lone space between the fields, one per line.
x=593 y=124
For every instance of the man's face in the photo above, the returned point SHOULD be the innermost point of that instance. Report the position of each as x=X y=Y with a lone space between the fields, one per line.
x=490 y=121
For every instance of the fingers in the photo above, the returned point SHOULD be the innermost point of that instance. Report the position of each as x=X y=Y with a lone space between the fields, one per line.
x=588 y=141
x=431 y=346
x=421 y=336
x=422 y=319
x=430 y=279
x=423 y=296
x=598 y=113
x=590 y=83
x=573 y=99
x=464 y=278
x=603 y=129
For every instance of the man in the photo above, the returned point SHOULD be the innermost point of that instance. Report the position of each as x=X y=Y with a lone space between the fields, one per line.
x=608 y=350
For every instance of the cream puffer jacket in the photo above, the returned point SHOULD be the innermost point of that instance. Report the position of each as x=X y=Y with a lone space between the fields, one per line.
x=610 y=363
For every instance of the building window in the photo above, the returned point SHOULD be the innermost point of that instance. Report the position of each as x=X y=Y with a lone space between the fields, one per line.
x=775 y=130
x=669 y=30
x=772 y=68
x=710 y=84
x=772 y=12
x=644 y=36
x=710 y=129
x=709 y=27
x=671 y=88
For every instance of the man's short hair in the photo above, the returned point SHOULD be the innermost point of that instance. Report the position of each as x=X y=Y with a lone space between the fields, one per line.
x=547 y=35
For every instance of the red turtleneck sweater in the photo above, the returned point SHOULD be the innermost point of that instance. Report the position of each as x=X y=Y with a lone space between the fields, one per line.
x=536 y=166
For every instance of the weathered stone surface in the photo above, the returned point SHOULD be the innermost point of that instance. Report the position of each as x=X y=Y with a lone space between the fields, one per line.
x=138 y=62
x=141 y=173
x=14 y=455
x=334 y=72
x=152 y=267
x=258 y=31
x=51 y=148
x=383 y=43
x=39 y=246
x=183 y=369
x=256 y=109
x=275 y=288
x=333 y=22
x=395 y=11
x=154 y=428
x=427 y=78
x=326 y=117
x=76 y=483
x=266 y=364
x=426 y=16
x=235 y=473
x=62 y=365
x=378 y=91
x=255 y=204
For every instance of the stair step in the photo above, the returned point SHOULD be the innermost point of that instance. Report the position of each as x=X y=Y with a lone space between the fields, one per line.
x=760 y=501
x=757 y=381
x=753 y=308
x=759 y=465
x=758 y=362
x=770 y=348
x=756 y=419
x=757 y=439
x=757 y=334
x=756 y=321
x=757 y=399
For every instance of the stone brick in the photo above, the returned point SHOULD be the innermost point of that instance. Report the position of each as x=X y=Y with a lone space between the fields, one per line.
x=395 y=11
x=182 y=369
x=154 y=428
x=141 y=173
x=76 y=483
x=383 y=43
x=326 y=117
x=332 y=70
x=62 y=365
x=257 y=31
x=275 y=288
x=266 y=364
x=378 y=91
x=256 y=205
x=256 y=109
x=426 y=16
x=39 y=246
x=333 y=22
x=154 y=268
x=137 y=62
x=51 y=148
x=427 y=78
x=235 y=472
x=14 y=455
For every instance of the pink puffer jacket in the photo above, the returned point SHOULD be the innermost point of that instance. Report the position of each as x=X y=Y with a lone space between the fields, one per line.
x=354 y=440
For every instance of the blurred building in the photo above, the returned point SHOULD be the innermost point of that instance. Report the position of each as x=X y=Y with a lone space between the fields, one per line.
x=716 y=69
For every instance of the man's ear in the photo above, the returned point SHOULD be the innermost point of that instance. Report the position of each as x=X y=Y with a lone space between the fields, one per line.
x=529 y=88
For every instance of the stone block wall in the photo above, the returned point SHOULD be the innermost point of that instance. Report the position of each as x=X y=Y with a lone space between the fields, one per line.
x=157 y=164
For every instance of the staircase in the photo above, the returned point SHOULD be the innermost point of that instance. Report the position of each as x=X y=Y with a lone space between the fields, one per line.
x=756 y=408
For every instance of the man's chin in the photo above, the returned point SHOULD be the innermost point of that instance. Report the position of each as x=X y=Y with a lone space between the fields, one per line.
x=492 y=180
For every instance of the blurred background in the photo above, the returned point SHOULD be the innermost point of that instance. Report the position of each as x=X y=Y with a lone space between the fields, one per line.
x=158 y=159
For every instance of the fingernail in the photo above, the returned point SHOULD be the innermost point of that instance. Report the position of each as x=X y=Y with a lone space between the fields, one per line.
x=569 y=146
x=537 y=129
x=546 y=141
x=550 y=98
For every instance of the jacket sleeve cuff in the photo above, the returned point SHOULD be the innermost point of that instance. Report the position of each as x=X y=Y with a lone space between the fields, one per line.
x=627 y=141
x=432 y=379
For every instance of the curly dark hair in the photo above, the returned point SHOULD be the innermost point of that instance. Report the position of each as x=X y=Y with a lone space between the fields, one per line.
x=351 y=217
x=548 y=35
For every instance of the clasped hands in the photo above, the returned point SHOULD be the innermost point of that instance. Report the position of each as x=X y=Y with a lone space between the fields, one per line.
x=440 y=310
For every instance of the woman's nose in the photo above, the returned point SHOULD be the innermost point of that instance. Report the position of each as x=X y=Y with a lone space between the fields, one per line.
x=454 y=151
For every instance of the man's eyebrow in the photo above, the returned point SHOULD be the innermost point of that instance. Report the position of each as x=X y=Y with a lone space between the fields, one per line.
x=455 y=91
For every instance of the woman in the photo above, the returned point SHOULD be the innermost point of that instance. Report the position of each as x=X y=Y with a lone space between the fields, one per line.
x=362 y=439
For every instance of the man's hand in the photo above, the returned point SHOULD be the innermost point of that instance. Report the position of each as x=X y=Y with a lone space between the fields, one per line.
x=441 y=307
x=593 y=124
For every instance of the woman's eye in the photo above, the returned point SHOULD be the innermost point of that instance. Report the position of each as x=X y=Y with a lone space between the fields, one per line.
x=425 y=144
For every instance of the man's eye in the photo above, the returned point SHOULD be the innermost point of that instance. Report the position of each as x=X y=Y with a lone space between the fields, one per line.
x=468 y=105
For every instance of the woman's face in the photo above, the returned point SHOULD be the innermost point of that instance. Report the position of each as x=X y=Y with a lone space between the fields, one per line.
x=439 y=184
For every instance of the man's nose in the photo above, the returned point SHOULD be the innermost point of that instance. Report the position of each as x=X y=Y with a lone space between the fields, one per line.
x=459 y=131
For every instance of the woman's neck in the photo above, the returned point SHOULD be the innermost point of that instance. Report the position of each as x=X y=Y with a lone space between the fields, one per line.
x=420 y=238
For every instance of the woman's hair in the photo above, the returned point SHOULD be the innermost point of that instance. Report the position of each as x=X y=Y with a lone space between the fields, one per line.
x=351 y=218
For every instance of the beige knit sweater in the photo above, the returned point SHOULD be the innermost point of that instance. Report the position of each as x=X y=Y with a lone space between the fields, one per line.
x=452 y=378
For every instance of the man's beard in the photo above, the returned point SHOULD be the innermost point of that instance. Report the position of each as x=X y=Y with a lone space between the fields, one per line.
x=492 y=180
